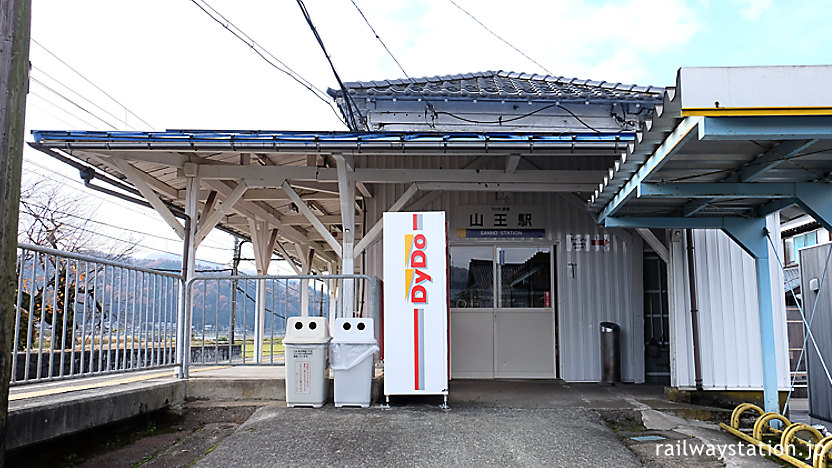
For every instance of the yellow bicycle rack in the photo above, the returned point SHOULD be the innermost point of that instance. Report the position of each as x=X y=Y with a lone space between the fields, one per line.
x=819 y=447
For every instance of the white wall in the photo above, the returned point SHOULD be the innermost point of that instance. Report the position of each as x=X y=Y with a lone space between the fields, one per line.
x=728 y=314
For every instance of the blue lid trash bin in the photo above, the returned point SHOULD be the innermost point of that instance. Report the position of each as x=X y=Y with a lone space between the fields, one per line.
x=307 y=340
x=351 y=353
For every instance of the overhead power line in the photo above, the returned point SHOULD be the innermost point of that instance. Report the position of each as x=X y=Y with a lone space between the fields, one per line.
x=56 y=106
x=381 y=41
x=88 y=101
x=500 y=38
x=428 y=105
x=435 y=113
x=143 y=246
x=107 y=200
x=122 y=228
x=79 y=106
x=264 y=53
x=348 y=100
x=126 y=109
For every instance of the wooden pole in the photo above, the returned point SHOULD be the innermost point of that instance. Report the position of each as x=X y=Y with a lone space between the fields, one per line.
x=15 y=22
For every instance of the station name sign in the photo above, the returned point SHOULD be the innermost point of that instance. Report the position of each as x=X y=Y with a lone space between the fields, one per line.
x=415 y=303
x=500 y=222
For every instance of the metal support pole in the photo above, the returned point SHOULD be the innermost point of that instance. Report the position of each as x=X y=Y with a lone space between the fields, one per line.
x=767 y=345
x=751 y=235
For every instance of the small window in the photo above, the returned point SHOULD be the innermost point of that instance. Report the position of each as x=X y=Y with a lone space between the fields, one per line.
x=472 y=277
x=800 y=241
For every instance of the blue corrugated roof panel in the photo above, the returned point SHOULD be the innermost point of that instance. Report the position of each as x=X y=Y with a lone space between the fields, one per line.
x=41 y=136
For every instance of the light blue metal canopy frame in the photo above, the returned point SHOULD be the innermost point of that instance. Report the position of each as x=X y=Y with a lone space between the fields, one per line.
x=759 y=183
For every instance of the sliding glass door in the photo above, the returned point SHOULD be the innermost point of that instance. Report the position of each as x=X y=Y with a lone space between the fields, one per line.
x=502 y=313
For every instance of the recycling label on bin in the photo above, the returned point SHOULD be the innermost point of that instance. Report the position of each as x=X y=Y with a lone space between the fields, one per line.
x=302 y=353
x=415 y=303
x=303 y=370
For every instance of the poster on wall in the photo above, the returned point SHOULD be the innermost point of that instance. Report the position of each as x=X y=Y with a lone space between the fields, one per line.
x=415 y=304
x=588 y=242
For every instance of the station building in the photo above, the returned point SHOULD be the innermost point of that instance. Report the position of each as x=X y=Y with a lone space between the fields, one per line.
x=568 y=204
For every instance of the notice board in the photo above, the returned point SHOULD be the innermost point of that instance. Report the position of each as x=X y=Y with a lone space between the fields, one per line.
x=415 y=304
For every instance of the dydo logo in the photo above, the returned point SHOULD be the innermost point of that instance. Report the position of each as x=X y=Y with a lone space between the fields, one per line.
x=416 y=278
x=416 y=263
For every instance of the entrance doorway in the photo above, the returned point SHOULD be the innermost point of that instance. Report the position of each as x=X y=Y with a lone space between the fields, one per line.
x=502 y=311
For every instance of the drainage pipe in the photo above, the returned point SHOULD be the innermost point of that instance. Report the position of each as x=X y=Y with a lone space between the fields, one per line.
x=694 y=309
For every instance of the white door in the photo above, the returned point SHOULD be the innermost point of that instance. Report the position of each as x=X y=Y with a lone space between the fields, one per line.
x=502 y=313
x=471 y=280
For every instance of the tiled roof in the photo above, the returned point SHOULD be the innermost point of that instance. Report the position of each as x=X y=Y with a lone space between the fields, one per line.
x=502 y=85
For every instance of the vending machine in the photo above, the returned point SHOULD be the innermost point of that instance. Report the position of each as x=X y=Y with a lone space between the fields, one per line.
x=415 y=304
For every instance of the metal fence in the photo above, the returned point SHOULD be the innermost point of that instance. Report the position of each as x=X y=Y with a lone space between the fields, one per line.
x=77 y=315
x=242 y=319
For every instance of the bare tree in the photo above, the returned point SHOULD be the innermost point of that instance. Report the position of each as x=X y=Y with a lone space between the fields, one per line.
x=54 y=217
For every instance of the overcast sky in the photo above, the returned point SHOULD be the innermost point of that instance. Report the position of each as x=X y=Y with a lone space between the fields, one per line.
x=174 y=67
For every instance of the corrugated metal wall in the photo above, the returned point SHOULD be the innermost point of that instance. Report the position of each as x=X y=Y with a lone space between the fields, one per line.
x=813 y=266
x=729 y=320
x=607 y=286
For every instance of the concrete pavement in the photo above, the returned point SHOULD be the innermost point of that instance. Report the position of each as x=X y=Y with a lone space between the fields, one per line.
x=421 y=436
x=236 y=415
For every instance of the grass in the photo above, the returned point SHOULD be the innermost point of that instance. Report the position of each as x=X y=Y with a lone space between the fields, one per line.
x=270 y=347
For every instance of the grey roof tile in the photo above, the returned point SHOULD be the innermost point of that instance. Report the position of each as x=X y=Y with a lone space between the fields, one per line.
x=502 y=85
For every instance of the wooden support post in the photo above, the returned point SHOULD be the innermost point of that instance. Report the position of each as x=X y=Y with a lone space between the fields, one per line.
x=188 y=270
x=262 y=241
x=346 y=188
x=305 y=254
x=15 y=21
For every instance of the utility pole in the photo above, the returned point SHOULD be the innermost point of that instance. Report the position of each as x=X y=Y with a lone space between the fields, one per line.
x=15 y=23
x=235 y=269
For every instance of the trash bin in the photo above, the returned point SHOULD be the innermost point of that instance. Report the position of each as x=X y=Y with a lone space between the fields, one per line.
x=351 y=352
x=610 y=353
x=307 y=345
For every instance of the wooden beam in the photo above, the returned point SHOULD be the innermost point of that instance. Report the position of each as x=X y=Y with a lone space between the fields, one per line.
x=256 y=211
x=133 y=176
x=323 y=187
x=156 y=184
x=374 y=232
x=282 y=251
x=512 y=161
x=657 y=245
x=209 y=204
x=430 y=197
x=504 y=187
x=172 y=158
x=290 y=220
x=316 y=223
x=208 y=223
x=269 y=176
